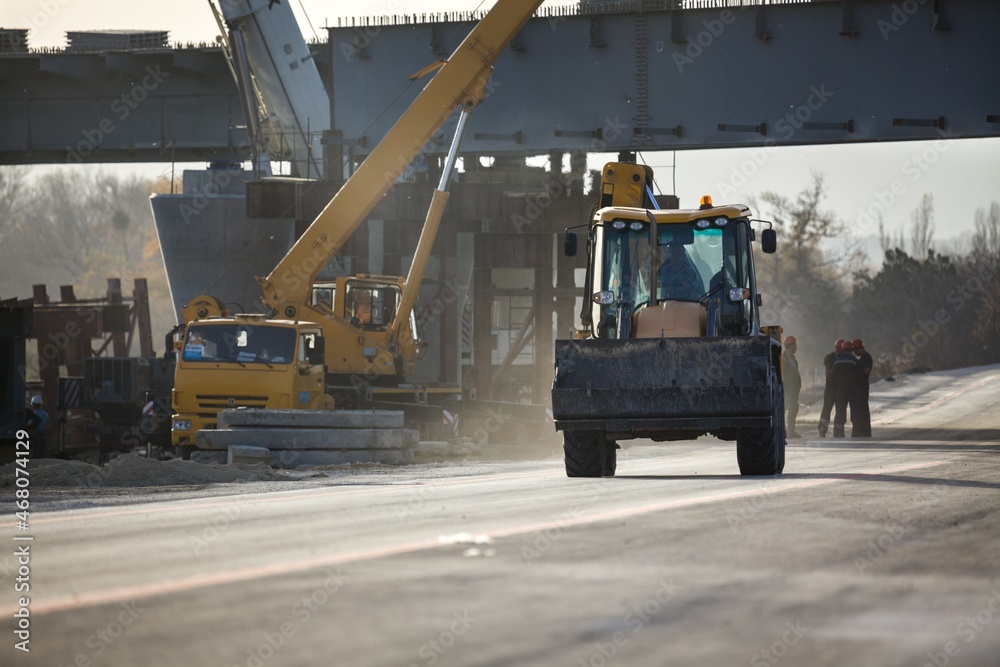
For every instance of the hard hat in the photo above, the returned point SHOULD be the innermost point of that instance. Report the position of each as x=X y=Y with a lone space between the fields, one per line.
x=790 y=340
x=857 y=342
x=847 y=346
x=36 y=400
x=839 y=345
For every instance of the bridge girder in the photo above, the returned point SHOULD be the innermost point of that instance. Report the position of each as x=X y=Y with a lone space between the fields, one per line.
x=776 y=74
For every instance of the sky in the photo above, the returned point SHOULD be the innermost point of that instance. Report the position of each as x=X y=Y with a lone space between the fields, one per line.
x=862 y=179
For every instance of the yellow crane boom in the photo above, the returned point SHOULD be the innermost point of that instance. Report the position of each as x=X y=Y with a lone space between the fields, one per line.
x=460 y=81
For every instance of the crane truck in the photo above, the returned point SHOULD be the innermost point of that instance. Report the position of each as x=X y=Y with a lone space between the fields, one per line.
x=670 y=345
x=362 y=328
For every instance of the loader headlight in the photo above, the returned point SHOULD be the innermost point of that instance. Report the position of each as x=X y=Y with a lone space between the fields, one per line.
x=721 y=221
x=181 y=425
x=702 y=224
x=738 y=294
x=618 y=224
x=636 y=226
x=604 y=297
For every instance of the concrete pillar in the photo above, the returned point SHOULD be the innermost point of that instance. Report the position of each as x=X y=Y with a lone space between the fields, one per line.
x=482 y=329
x=543 y=323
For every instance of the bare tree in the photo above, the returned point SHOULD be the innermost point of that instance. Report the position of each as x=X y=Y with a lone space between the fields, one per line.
x=803 y=222
x=986 y=238
x=79 y=226
x=886 y=239
x=922 y=232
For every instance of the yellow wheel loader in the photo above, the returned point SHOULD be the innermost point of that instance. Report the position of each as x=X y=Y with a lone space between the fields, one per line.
x=671 y=346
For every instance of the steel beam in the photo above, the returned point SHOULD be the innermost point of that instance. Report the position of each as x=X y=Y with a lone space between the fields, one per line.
x=580 y=81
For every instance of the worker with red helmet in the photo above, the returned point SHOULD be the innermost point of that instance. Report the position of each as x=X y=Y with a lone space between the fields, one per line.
x=829 y=395
x=845 y=383
x=863 y=420
x=792 y=379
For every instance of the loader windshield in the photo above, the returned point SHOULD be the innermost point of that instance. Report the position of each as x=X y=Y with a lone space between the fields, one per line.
x=240 y=343
x=696 y=262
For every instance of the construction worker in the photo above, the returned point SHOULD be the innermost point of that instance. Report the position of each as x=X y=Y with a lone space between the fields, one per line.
x=845 y=385
x=829 y=395
x=792 y=380
x=863 y=421
x=36 y=420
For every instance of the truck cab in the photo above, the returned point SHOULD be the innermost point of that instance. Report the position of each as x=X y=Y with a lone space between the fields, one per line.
x=245 y=361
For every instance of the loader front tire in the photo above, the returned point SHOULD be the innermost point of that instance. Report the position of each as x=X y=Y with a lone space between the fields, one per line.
x=761 y=451
x=610 y=458
x=586 y=453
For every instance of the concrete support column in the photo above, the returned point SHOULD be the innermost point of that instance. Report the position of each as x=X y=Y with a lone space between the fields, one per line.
x=482 y=329
x=544 y=307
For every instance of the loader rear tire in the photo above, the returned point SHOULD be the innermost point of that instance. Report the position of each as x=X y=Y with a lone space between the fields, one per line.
x=761 y=451
x=586 y=453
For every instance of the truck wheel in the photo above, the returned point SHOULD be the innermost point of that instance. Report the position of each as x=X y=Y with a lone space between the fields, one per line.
x=761 y=451
x=586 y=453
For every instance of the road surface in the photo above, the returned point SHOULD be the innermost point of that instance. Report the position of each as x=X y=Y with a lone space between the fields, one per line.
x=866 y=552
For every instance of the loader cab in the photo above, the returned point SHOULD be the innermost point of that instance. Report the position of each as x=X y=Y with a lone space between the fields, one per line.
x=684 y=273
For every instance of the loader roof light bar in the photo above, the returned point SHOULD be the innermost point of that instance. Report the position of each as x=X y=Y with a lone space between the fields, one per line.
x=634 y=225
x=705 y=223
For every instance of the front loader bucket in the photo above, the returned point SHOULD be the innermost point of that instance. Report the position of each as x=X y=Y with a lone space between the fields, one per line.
x=649 y=387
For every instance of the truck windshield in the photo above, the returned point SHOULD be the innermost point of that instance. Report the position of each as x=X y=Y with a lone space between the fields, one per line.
x=240 y=343
x=695 y=264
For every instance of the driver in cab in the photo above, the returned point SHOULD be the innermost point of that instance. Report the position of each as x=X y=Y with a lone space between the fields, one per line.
x=678 y=278
x=362 y=309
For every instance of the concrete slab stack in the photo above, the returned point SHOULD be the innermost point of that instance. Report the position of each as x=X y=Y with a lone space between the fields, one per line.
x=315 y=437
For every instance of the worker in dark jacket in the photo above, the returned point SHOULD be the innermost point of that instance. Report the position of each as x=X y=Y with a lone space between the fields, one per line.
x=829 y=395
x=36 y=421
x=845 y=384
x=792 y=379
x=863 y=420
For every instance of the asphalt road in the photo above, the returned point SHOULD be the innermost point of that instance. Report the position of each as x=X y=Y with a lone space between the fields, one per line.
x=866 y=552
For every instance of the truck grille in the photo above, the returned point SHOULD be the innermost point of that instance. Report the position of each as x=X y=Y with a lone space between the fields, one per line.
x=208 y=402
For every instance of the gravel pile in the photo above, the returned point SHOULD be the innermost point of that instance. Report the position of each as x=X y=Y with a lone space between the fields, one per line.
x=131 y=470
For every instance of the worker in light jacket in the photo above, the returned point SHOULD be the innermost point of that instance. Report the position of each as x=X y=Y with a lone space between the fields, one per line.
x=792 y=379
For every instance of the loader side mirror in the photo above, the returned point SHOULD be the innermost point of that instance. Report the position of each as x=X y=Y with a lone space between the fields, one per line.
x=768 y=241
x=569 y=244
